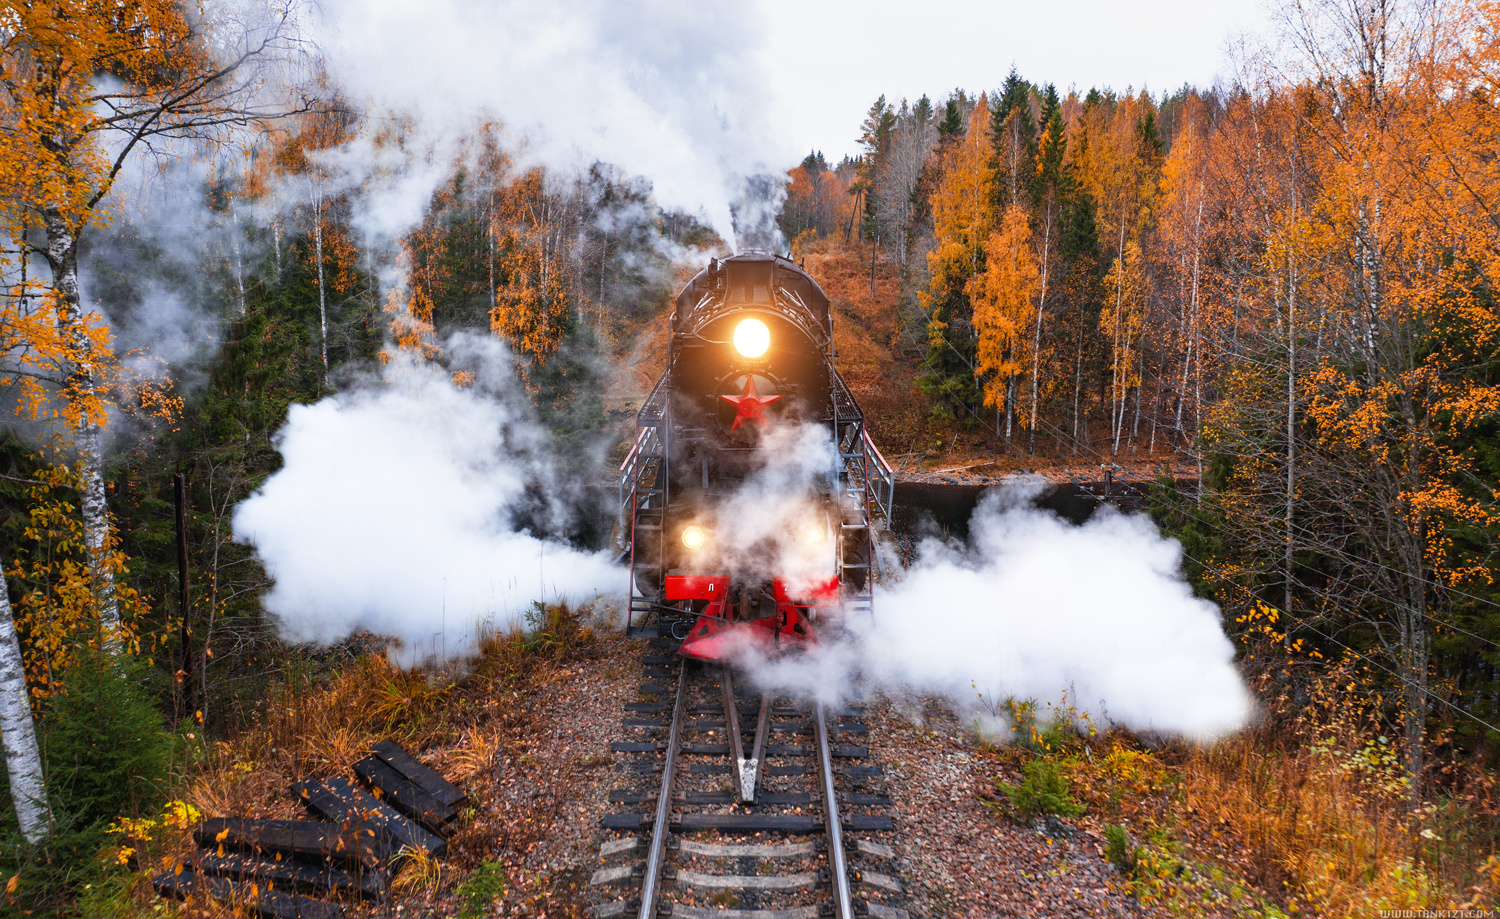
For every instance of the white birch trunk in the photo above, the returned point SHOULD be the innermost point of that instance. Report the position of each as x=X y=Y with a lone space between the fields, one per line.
x=23 y=759
x=1036 y=343
x=62 y=258
x=322 y=292
x=1117 y=416
x=1291 y=431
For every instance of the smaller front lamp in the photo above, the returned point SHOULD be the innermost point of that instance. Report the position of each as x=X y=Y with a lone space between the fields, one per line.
x=814 y=533
x=752 y=338
x=693 y=537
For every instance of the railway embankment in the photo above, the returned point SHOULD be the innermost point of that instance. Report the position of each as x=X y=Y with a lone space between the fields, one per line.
x=1051 y=823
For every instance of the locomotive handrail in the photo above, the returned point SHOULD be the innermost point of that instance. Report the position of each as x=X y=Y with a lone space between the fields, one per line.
x=885 y=495
x=630 y=457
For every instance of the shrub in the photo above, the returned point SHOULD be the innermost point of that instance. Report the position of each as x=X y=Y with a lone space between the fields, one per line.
x=1043 y=790
x=106 y=747
x=478 y=891
x=1118 y=850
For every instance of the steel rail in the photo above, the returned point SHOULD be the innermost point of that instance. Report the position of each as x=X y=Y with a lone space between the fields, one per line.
x=736 y=744
x=843 y=900
x=659 y=829
x=762 y=727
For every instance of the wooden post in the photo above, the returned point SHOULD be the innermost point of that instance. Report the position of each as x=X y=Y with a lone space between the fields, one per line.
x=179 y=494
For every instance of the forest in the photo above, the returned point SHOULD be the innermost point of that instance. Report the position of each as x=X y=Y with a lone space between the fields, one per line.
x=1270 y=298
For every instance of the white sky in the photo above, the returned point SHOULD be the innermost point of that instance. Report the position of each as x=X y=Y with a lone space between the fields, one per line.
x=695 y=95
x=829 y=61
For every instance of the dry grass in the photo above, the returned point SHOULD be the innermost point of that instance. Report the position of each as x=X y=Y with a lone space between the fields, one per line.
x=319 y=727
x=1309 y=824
x=1306 y=812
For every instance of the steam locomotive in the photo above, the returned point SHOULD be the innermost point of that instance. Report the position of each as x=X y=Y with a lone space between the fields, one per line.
x=749 y=500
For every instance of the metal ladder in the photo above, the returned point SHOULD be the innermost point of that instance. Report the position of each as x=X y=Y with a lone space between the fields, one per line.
x=643 y=501
x=865 y=488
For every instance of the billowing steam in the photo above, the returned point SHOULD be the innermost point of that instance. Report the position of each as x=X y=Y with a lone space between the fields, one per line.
x=1096 y=617
x=673 y=92
x=774 y=522
x=395 y=512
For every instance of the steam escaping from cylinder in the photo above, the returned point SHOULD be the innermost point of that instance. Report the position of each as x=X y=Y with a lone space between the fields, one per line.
x=396 y=511
x=1093 y=620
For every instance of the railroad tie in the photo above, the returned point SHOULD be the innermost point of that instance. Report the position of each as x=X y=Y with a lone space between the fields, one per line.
x=273 y=904
x=696 y=912
x=620 y=846
x=717 y=850
x=883 y=881
x=617 y=875
x=747 y=881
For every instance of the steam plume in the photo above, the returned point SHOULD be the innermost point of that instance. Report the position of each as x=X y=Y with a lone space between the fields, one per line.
x=395 y=511
x=1096 y=616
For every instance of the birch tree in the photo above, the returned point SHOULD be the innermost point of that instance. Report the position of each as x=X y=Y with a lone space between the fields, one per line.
x=1004 y=304
x=84 y=86
x=23 y=759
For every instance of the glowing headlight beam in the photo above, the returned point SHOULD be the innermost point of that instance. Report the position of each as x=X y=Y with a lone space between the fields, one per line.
x=814 y=533
x=752 y=338
x=693 y=537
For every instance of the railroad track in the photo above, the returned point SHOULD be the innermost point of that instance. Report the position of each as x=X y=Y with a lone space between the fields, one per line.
x=742 y=806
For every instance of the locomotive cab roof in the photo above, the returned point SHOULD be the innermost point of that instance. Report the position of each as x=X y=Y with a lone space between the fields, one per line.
x=753 y=279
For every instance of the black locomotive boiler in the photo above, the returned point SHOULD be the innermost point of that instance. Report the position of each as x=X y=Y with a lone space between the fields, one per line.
x=721 y=547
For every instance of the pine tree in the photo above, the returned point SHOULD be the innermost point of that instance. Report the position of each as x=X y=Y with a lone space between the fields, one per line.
x=875 y=138
x=951 y=127
x=1013 y=127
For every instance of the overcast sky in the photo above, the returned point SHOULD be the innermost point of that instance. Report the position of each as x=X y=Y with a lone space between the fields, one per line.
x=828 y=61
x=695 y=95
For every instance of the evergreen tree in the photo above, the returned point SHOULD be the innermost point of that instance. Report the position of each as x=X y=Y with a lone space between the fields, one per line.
x=951 y=127
x=875 y=138
x=1013 y=127
x=922 y=110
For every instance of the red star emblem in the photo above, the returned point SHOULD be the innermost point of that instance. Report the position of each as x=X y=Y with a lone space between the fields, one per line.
x=749 y=405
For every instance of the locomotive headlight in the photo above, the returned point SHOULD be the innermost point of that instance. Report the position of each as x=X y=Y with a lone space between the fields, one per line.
x=693 y=537
x=752 y=338
x=814 y=534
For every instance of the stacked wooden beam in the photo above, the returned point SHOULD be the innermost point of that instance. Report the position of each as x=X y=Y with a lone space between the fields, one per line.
x=273 y=867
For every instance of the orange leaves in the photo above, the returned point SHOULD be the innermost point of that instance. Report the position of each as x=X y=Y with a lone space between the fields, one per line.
x=961 y=211
x=43 y=350
x=533 y=295
x=55 y=103
x=962 y=216
x=55 y=572
x=410 y=326
x=1004 y=299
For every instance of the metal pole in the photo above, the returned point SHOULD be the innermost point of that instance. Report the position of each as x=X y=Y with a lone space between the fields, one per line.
x=843 y=901
x=659 y=829
x=179 y=497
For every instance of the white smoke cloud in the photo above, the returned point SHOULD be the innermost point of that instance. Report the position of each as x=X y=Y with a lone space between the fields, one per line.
x=1096 y=616
x=393 y=512
x=673 y=91
x=764 y=526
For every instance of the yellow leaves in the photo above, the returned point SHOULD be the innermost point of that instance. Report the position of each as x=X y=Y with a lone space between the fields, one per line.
x=181 y=815
x=1003 y=297
x=962 y=214
x=43 y=347
x=58 y=606
x=532 y=298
